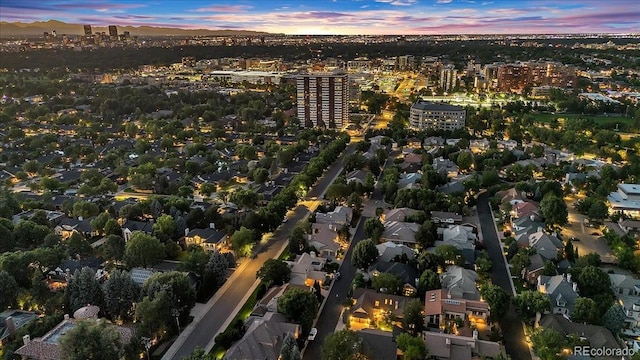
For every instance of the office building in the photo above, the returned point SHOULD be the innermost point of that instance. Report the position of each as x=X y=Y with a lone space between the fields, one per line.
x=87 y=30
x=323 y=100
x=427 y=115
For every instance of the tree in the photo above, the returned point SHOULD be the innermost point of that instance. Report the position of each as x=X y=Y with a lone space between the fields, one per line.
x=412 y=347
x=373 y=228
x=216 y=269
x=84 y=289
x=242 y=241
x=91 y=340
x=547 y=343
x=120 y=294
x=529 y=302
x=195 y=261
x=554 y=210
x=387 y=283
x=199 y=354
x=99 y=222
x=364 y=254
x=181 y=296
x=85 y=209
x=143 y=250
x=343 y=345
x=413 y=320
x=299 y=305
x=613 y=319
x=426 y=234
x=593 y=281
x=8 y=290
x=113 y=248
x=289 y=350
x=28 y=234
x=274 y=272
x=464 y=160
x=429 y=280
x=297 y=241
x=164 y=227
x=498 y=300
x=77 y=245
x=598 y=210
x=585 y=310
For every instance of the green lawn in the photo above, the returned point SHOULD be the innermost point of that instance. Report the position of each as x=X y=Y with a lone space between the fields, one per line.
x=604 y=121
x=243 y=314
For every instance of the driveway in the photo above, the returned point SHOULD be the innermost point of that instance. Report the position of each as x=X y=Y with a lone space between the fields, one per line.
x=588 y=243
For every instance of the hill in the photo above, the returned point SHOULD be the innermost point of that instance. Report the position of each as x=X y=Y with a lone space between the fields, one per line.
x=18 y=29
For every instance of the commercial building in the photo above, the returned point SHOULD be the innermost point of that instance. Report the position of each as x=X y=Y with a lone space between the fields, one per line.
x=113 y=32
x=323 y=99
x=626 y=200
x=427 y=115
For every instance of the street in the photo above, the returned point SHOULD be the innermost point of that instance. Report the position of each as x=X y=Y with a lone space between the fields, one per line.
x=510 y=323
x=222 y=307
x=333 y=307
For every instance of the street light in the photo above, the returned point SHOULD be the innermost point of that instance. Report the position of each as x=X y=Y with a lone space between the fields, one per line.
x=146 y=341
x=176 y=313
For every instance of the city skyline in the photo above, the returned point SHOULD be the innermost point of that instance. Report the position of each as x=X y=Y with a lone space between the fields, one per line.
x=348 y=17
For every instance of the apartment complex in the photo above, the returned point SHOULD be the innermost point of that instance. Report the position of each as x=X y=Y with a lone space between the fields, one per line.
x=427 y=115
x=515 y=77
x=323 y=100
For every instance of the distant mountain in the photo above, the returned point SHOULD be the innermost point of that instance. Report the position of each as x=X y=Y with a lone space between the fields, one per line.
x=17 y=29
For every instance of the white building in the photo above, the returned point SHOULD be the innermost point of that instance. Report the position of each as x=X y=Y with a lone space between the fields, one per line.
x=428 y=115
x=626 y=200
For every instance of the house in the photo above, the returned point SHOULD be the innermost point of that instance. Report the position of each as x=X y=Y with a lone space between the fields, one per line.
x=630 y=227
x=509 y=145
x=479 y=146
x=561 y=291
x=625 y=200
x=405 y=272
x=324 y=238
x=535 y=268
x=131 y=225
x=445 y=167
x=209 y=239
x=269 y=302
x=433 y=141
x=460 y=283
x=369 y=307
x=68 y=226
x=306 y=269
x=47 y=347
x=597 y=337
x=409 y=181
x=403 y=233
x=440 y=307
x=58 y=278
x=445 y=217
x=397 y=214
x=462 y=237
x=381 y=344
x=341 y=215
x=11 y=321
x=451 y=187
x=525 y=209
x=454 y=347
x=358 y=176
x=389 y=251
x=526 y=224
x=546 y=245
x=627 y=291
x=263 y=338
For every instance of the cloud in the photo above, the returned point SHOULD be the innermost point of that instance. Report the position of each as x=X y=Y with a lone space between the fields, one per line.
x=443 y=1
x=224 y=8
x=398 y=2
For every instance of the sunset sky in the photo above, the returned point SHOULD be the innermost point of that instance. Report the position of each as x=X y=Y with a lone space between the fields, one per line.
x=343 y=16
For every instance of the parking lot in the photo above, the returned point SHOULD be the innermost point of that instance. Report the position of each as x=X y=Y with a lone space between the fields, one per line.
x=589 y=243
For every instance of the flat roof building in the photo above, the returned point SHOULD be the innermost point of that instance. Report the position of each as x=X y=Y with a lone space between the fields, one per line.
x=427 y=115
x=323 y=100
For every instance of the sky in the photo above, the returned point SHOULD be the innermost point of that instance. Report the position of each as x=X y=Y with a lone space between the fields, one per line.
x=348 y=17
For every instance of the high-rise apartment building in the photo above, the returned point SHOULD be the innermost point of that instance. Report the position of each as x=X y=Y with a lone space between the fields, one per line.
x=113 y=31
x=427 y=115
x=515 y=77
x=87 y=30
x=448 y=77
x=323 y=100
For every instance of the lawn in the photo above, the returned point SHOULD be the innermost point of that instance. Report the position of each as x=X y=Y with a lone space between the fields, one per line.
x=603 y=121
x=243 y=314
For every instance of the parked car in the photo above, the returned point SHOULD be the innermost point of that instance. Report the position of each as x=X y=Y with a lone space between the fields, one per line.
x=595 y=233
x=312 y=334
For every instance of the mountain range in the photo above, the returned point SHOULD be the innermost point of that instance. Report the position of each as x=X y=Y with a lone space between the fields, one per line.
x=18 y=29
